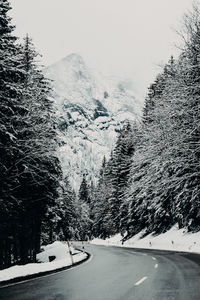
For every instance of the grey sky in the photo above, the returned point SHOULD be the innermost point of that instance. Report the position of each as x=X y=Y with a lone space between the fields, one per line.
x=117 y=37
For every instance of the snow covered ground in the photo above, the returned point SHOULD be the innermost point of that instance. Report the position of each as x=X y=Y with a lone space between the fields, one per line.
x=174 y=239
x=58 y=249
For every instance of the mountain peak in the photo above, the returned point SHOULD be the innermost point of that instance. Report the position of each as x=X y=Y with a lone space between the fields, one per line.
x=74 y=58
x=92 y=109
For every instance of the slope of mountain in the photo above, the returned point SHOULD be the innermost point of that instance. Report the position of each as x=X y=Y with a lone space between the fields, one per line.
x=92 y=109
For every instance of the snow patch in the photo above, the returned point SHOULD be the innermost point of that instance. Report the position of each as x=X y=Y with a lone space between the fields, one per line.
x=175 y=239
x=58 y=249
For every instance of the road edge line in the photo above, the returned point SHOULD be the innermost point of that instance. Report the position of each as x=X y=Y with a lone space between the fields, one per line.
x=22 y=279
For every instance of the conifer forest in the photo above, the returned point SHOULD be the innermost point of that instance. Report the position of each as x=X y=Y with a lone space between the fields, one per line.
x=151 y=179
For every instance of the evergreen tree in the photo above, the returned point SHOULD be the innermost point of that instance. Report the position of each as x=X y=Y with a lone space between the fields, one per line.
x=159 y=186
x=85 y=213
x=102 y=224
x=113 y=180
x=38 y=167
x=11 y=77
x=84 y=194
x=30 y=171
x=61 y=220
x=68 y=212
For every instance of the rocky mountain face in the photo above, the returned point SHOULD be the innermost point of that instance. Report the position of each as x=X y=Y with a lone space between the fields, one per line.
x=91 y=111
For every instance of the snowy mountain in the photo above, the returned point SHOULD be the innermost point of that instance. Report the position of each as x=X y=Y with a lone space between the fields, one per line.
x=91 y=109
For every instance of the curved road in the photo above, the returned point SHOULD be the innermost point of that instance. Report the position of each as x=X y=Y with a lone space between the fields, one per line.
x=115 y=273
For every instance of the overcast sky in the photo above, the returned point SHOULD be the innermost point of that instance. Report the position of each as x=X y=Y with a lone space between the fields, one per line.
x=126 y=38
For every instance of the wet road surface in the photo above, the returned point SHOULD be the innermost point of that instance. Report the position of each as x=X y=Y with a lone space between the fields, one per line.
x=115 y=273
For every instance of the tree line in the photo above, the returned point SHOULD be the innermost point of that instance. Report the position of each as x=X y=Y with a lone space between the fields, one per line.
x=35 y=199
x=152 y=178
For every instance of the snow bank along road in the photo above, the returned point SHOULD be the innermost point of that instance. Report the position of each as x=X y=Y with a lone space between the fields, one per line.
x=118 y=273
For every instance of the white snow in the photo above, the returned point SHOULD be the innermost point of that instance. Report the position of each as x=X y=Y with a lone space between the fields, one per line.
x=175 y=239
x=58 y=249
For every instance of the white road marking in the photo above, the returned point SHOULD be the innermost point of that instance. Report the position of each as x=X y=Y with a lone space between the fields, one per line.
x=144 y=254
x=141 y=281
x=153 y=258
x=156 y=265
x=134 y=252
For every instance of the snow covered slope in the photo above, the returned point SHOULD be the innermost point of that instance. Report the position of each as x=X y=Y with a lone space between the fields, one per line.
x=91 y=109
x=174 y=240
x=62 y=260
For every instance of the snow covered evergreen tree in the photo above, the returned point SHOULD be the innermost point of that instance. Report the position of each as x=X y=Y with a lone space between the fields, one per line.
x=84 y=194
x=102 y=223
x=186 y=117
x=149 y=205
x=113 y=180
x=10 y=111
x=38 y=167
x=62 y=220
x=164 y=188
x=85 y=209
x=30 y=170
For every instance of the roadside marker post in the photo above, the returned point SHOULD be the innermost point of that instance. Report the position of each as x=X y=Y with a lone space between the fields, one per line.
x=83 y=247
x=70 y=252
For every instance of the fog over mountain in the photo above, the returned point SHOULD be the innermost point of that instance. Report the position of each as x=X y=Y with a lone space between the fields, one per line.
x=91 y=110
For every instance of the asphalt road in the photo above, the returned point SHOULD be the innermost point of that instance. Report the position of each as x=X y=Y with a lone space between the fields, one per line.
x=115 y=273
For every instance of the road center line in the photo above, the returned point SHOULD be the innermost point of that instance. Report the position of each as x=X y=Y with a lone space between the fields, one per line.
x=134 y=252
x=141 y=281
x=156 y=265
